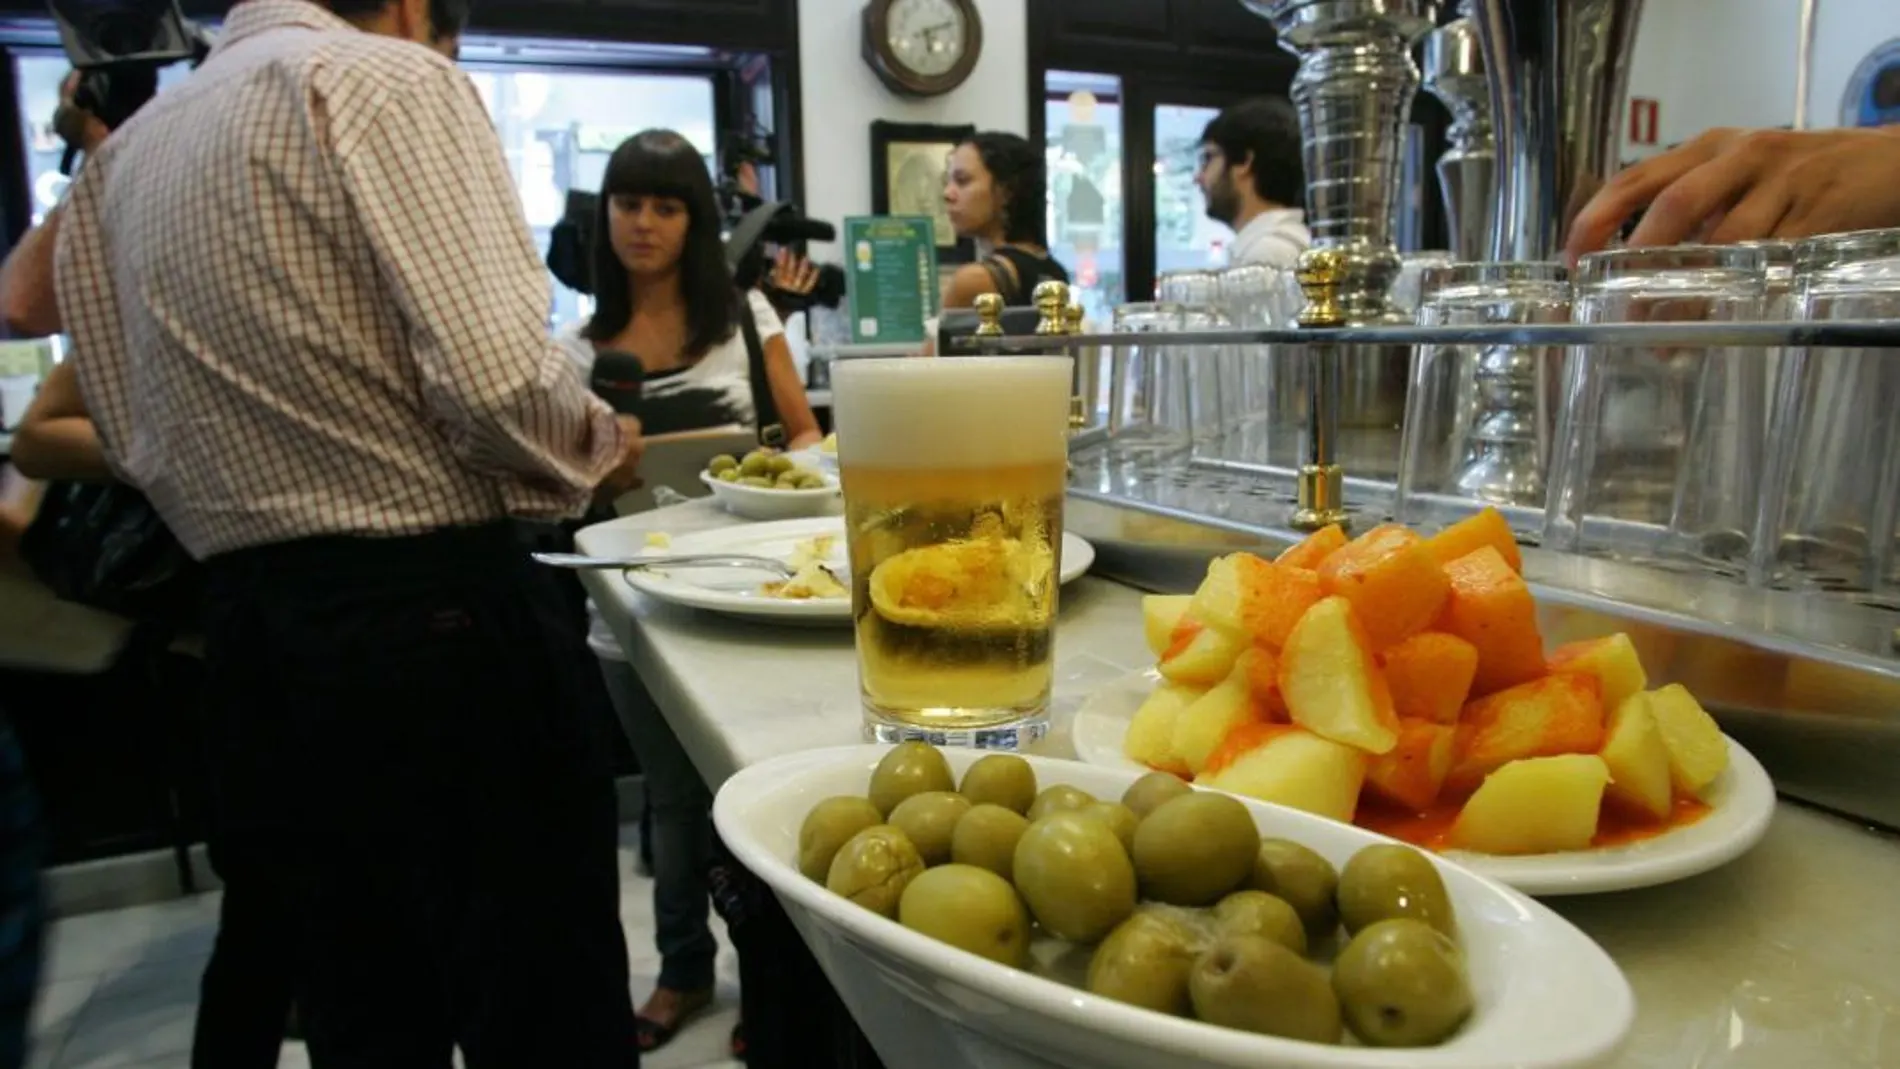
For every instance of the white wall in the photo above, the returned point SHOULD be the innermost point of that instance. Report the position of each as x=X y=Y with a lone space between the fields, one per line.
x=1712 y=63
x=841 y=97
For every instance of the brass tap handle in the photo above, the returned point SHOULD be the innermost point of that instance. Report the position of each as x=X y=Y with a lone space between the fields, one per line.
x=1072 y=319
x=1322 y=481
x=989 y=315
x=1052 y=299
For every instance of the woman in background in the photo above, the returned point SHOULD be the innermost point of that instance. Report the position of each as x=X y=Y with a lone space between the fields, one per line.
x=665 y=295
x=996 y=193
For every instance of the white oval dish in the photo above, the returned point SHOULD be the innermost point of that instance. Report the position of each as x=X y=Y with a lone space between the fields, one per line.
x=1741 y=804
x=755 y=503
x=1547 y=996
x=735 y=592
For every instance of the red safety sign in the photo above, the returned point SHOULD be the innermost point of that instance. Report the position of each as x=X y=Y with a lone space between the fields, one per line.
x=1644 y=127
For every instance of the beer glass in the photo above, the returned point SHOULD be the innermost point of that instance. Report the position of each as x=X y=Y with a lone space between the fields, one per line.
x=954 y=472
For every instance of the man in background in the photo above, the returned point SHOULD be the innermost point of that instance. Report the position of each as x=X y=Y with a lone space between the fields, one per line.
x=1251 y=174
x=309 y=323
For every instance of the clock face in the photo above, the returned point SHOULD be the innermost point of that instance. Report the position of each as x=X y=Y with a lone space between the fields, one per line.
x=927 y=36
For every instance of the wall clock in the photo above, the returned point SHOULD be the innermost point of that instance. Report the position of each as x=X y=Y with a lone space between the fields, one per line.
x=922 y=47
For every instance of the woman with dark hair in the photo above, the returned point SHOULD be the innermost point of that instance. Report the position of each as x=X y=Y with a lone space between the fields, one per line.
x=665 y=295
x=995 y=192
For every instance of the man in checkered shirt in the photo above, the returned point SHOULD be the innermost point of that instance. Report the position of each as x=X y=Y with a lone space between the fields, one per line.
x=310 y=324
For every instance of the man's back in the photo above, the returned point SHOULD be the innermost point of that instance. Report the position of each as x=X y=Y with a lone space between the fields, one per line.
x=306 y=302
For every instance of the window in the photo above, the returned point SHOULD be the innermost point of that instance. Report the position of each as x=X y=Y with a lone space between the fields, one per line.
x=40 y=75
x=1084 y=151
x=559 y=128
x=1185 y=238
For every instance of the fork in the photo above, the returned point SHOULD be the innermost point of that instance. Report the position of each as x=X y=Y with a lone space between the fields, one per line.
x=581 y=562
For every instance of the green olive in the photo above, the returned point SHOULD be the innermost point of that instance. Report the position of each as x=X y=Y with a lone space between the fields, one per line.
x=1059 y=799
x=1194 y=849
x=874 y=867
x=1259 y=913
x=1401 y=983
x=910 y=768
x=971 y=909
x=730 y=475
x=928 y=819
x=1305 y=880
x=1119 y=818
x=1145 y=962
x=830 y=824
x=1000 y=779
x=722 y=463
x=755 y=464
x=787 y=481
x=778 y=463
x=1148 y=792
x=986 y=837
x=1257 y=985
x=758 y=482
x=1387 y=881
x=1075 y=876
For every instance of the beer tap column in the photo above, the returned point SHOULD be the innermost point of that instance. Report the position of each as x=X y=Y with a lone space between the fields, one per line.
x=1354 y=92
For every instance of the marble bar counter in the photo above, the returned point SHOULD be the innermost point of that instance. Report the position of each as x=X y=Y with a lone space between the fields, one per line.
x=1788 y=958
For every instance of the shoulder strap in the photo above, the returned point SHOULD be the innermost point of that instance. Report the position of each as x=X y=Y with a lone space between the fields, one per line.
x=764 y=406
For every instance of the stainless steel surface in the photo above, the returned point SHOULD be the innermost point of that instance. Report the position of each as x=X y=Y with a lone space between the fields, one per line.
x=1811 y=687
x=1803 y=63
x=1866 y=334
x=580 y=562
x=1467 y=172
x=1354 y=92
x=1559 y=70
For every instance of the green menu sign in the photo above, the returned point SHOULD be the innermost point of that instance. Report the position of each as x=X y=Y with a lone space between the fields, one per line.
x=890 y=278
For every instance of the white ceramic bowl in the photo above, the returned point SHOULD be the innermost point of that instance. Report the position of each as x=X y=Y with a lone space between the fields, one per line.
x=755 y=503
x=1547 y=996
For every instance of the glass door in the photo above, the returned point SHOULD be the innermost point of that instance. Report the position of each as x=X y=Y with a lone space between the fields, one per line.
x=1083 y=115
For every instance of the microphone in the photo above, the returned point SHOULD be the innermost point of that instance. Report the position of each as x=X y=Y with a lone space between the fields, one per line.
x=618 y=380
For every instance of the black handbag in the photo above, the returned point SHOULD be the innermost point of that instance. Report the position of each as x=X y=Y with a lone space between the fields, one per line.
x=105 y=546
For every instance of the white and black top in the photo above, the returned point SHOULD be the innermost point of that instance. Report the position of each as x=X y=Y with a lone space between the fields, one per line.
x=713 y=394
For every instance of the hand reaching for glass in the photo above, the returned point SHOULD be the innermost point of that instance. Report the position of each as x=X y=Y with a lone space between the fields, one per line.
x=1741 y=185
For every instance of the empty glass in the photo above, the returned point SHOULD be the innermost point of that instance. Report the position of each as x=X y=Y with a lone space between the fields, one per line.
x=1150 y=408
x=1659 y=450
x=1479 y=421
x=1828 y=507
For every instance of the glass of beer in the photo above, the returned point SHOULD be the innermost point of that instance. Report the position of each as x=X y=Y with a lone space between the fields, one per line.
x=954 y=471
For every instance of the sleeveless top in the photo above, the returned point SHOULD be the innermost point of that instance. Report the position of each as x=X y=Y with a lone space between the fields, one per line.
x=1031 y=271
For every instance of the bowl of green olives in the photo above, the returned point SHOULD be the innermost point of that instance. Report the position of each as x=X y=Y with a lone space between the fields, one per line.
x=764 y=485
x=1012 y=911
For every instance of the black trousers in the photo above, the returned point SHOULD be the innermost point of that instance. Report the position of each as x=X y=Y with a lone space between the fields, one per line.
x=413 y=813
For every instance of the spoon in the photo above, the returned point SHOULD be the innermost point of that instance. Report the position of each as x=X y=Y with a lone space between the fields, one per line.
x=579 y=562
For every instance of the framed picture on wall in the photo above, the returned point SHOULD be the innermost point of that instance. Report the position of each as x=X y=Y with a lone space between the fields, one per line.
x=908 y=161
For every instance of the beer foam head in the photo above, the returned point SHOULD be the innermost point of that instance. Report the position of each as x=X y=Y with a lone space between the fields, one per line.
x=952 y=412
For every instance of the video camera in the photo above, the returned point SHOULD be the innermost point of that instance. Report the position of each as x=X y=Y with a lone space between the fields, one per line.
x=570 y=255
x=118 y=47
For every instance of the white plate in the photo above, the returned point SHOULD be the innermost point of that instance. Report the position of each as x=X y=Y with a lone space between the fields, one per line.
x=1546 y=996
x=1742 y=803
x=736 y=592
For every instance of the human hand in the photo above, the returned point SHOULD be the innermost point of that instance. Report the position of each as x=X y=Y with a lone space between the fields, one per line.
x=625 y=474
x=793 y=274
x=1741 y=185
x=74 y=122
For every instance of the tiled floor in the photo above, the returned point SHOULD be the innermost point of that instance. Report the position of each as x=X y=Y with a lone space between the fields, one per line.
x=121 y=988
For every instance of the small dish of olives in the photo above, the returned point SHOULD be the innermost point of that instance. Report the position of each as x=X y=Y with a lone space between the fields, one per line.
x=764 y=485
x=1013 y=911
